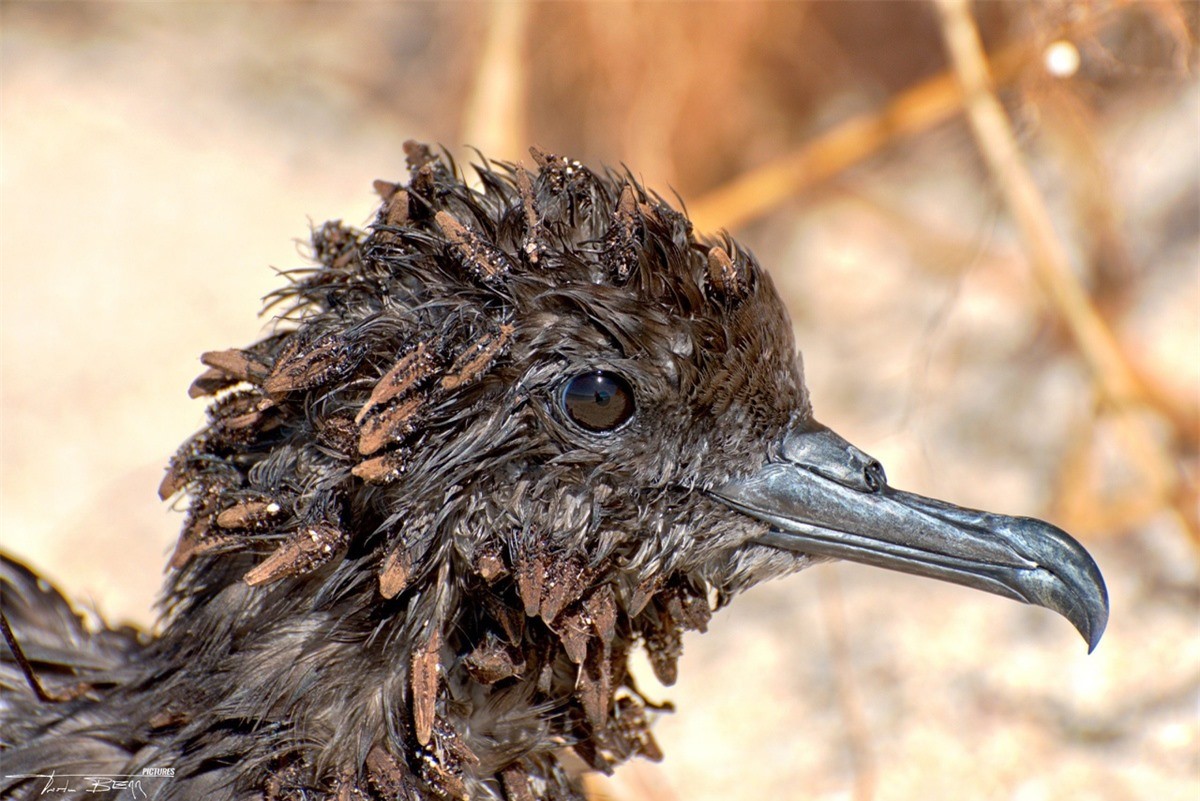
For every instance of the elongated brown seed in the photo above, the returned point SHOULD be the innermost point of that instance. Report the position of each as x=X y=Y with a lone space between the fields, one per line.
x=236 y=363
x=424 y=681
x=725 y=276
x=248 y=515
x=303 y=365
x=395 y=572
x=388 y=425
x=417 y=365
x=303 y=552
x=475 y=360
x=485 y=261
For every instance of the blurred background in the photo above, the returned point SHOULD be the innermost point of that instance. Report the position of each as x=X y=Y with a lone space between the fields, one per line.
x=1029 y=344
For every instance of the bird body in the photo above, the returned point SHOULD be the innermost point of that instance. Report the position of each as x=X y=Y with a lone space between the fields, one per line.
x=493 y=445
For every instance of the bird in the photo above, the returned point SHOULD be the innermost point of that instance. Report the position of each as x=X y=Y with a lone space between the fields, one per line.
x=525 y=424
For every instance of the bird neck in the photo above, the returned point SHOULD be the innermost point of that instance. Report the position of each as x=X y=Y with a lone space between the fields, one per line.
x=475 y=666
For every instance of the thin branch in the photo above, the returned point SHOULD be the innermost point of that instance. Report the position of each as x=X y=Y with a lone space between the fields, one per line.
x=917 y=109
x=495 y=112
x=1116 y=380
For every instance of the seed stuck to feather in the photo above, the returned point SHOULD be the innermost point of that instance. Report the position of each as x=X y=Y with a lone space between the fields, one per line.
x=633 y=727
x=530 y=570
x=511 y=620
x=424 y=682
x=394 y=212
x=417 y=155
x=573 y=632
x=489 y=563
x=689 y=610
x=336 y=245
x=564 y=174
x=389 y=776
x=642 y=593
x=251 y=514
x=254 y=419
x=387 y=425
x=382 y=469
x=516 y=785
x=601 y=607
x=564 y=580
x=186 y=548
x=724 y=275
x=595 y=686
x=413 y=368
x=664 y=645
x=531 y=246
x=304 y=551
x=485 y=261
x=385 y=189
x=492 y=661
x=445 y=761
x=236 y=363
x=621 y=241
x=306 y=364
x=475 y=360
x=210 y=382
x=338 y=434
x=395 y=572
x=227 y=368
x=173 y=480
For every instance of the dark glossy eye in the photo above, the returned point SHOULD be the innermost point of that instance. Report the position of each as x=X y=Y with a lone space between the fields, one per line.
x=598 y=401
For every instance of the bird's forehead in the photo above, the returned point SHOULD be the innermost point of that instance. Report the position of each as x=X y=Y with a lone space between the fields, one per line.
x=589 y=319
x=725 y=358
x=669 y=313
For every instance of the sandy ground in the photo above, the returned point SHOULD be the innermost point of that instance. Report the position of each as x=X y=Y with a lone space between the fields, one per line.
x=157 y=161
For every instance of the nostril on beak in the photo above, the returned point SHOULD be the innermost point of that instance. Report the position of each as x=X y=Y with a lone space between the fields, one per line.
x=820 y=450
x=874 y=475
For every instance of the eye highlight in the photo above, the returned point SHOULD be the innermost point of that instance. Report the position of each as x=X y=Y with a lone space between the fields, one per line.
x=597 y=401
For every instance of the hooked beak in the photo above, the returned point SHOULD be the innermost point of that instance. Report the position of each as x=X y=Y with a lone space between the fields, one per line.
x=826 y=497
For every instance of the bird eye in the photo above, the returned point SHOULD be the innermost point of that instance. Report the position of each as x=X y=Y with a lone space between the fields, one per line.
x=598 y=401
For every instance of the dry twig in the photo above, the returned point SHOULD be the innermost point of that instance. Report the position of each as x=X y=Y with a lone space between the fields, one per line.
x=917 y=109
x=496 y=109
x=1115 y=380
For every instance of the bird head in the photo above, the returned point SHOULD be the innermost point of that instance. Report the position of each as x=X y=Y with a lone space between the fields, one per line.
x=509 y=434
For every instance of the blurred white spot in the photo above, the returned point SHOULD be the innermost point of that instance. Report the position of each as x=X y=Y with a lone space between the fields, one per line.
x=1062 y=59
x=1175 y=736
x=1032 y=790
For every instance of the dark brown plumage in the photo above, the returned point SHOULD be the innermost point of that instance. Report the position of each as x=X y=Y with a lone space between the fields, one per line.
x=494 y=444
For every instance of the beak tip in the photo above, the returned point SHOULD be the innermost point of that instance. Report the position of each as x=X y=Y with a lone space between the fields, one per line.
x=1095 y=623
x=1092 y=633
x=1091 y=613
x=1083 y=600
x=1067 y=579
